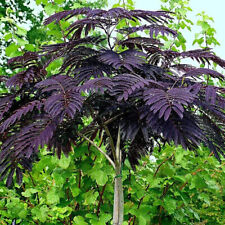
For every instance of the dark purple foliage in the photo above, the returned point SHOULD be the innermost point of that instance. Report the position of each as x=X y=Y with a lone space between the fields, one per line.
x=154 y=29
x=129 y=83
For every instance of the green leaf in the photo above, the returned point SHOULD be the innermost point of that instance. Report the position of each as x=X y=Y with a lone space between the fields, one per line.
x=11 y=50
x=59 y=1
x=53 y=196
x=167 y=170
x=21 y=41
x=29 y=192
x=197 y=182
x=50 y=9
x=30 y=47
x=142 y=220
x=90 y=197
x=41 y=213
x=170 y=204
x=100 y=177
x=38 y=2
x=79 y=220
x=21 y=31
x=8 y=36
x=64 y=162
x=75 y=191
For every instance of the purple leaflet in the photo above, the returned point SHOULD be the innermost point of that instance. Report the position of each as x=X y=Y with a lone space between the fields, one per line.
x=64 y=99
x=97 y=84
x=130 y=126
x=92 y=69
x=200 y=71
x=66 y=15
x=126 y=84
x=210 y=94
x=31 y=75
x=111 y=58
x=19 y=113
x=154 y=29
x=9 y=180
x=165 y=101
x=139 y=42
x=19 y=176
x=22 y=145
x=201 y=55
x=129 y=59
x=152 y=16
x=28 y=59
x=78 y=56
x=5 y=104
x=64 y=48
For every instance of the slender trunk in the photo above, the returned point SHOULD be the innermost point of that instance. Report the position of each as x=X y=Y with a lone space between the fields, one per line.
x=118 y=199
x=118 y=187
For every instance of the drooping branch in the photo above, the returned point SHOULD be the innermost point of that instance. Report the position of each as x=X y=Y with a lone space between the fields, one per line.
x=99 y=149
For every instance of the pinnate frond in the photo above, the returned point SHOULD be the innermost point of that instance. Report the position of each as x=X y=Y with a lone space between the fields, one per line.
x=201 y=55
x=32 y=75
x=97 y=84
x=164 y=102
x=139 y=42
x=78 y=56
x=5 y=104
x=66 y=15
x=65 y=99
x=129 y=59
x=126 y=84
x=28 y=59
x=17 y=115
x=20 y=147
x=154 y=30
x=200 y=71
x=91 y=68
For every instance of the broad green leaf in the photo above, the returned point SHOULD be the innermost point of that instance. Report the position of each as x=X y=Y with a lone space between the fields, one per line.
x=21 y=41
x=53 y=196
x=50 y=9
x=64 y=162
x=100 y=177
x=21 y=31
x=90 y=197
x=79 y=220
x=8 y=36
x=30 y=47
x=170 y=204
x=29 y=192
x=41 y=1
x=41 y=213
x=11 y=50
x=197 y=182
x=59 y=1
x=75 y=191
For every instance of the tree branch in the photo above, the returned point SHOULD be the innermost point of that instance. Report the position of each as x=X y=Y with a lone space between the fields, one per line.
x=99 y=149
x=157 y=170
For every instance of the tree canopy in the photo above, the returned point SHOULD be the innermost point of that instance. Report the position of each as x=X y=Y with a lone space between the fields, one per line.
x=114 y=85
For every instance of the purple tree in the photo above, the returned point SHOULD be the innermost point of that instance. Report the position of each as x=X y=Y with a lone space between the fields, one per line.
x=136 y=94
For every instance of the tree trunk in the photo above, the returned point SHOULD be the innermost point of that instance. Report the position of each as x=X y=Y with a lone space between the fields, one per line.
x=118 y=199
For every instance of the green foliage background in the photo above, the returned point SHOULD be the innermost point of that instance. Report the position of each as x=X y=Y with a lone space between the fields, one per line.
x=177 y=188
x=173 y=187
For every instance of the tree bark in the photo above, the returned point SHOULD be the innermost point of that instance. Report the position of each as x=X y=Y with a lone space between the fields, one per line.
x=118 y=199
x=118 y=186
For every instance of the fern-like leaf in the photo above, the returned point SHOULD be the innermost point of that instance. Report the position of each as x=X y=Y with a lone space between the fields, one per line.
x=17 y=115
x=164 y=102
x=154 y=30
x=65 y=99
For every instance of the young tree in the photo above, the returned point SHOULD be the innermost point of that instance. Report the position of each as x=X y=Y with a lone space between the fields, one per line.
x=136 y=94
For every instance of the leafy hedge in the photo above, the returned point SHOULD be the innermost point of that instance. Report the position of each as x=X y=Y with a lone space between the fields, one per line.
x=177 y=188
